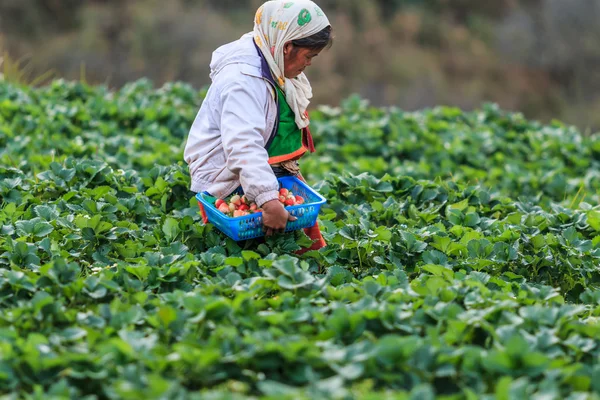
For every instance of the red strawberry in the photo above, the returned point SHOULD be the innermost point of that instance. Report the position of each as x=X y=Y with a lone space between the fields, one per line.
x=239 y=213
x=245 y=200
x=253 y=207
x=283 y=192
x=299 y=200
x=244 y=207
x=282 y=199
x=290 y=202
x=224 y=208
x=219 y=202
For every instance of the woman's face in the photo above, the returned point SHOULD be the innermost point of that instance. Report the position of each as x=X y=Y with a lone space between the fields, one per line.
x=296 y=59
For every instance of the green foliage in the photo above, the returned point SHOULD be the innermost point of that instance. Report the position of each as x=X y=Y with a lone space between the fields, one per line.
x=461 y=261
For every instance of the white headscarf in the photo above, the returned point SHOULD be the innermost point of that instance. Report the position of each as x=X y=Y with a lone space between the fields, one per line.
x=278 y=22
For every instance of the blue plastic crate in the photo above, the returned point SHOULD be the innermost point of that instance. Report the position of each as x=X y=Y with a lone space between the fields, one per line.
x=251 y=226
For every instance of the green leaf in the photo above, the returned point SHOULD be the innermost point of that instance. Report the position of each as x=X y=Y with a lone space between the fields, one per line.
x=72 y=334
x=438 y=270
x=517 y=346
x=434 y=284
x=140 y=271
x=503 y=388
x=234 y=261
x=538 y=241
x=250 y=255
x=276 y=389
x=422 y=392
x=472 y=220
x=339 y=275
x=42 y=229
x=171 y=229
x=47 y=213
x=24 y=254
x=302 y=239
x=593 y=219
x=351 y=232
x=383 y=233
x=435 y=257
x=479 y=248
x=498 y=362
x=286 y=265
x=167 y=315
x=460 y=206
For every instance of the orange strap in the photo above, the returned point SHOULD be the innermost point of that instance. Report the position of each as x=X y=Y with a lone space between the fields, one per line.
x=203 y=212
x=314 y=232
x=307 y=139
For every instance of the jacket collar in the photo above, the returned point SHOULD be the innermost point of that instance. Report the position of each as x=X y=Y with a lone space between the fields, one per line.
x=264 y=66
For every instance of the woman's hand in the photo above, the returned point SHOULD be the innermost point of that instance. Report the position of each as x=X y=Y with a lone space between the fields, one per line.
x=275 y=217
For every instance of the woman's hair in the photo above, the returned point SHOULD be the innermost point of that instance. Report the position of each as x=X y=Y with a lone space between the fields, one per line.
x=318 y=41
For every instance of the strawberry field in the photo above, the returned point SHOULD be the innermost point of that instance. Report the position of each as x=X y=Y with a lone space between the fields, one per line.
x=463 y=258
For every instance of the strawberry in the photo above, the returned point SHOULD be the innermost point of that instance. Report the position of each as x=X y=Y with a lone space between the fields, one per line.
x=282 y=199
x=239 y=213
x=232 y=207
x=245 y=200
x=283 y=192
x=253 y=207
x=244 y=207
x=223 y=207
x=236 y=199
x=290 y=202
x=219 y=202
x=299 y=200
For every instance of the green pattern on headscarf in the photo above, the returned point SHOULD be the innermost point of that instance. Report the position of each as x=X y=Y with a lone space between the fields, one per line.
x=304 y=17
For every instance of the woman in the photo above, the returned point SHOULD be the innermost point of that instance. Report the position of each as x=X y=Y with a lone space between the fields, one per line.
x=253 y=124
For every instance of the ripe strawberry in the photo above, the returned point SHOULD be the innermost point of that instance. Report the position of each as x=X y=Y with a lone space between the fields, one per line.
x=239 y=213
x=290 y=202
x=299 y=200
x=224 y=208
x=253 y=207
x=236 y=199
x=219 y=202
x=244 y=207
x=282 y=199
x=283 y=192
x=245 y=200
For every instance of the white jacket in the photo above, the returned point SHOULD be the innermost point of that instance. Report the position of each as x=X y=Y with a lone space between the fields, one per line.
x=226 y=143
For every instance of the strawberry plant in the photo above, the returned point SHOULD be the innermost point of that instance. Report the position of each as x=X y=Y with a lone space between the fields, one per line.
x=462 y=258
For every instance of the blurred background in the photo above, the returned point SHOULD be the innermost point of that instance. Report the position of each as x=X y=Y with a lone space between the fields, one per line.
x=540 y=57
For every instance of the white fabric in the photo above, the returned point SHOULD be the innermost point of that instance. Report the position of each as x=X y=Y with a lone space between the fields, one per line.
x=226 y=144
x=276 y=23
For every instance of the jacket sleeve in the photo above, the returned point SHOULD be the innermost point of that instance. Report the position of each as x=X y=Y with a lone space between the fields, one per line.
x=243 y=126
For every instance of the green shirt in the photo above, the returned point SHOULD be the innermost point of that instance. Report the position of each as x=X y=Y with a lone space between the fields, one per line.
x=288 y=139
